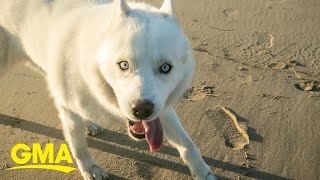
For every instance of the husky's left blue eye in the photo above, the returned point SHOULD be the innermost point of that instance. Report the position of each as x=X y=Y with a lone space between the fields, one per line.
x=124 y=65
x=165 y=68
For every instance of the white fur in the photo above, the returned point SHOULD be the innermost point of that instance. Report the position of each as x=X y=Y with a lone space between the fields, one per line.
x=77 y=44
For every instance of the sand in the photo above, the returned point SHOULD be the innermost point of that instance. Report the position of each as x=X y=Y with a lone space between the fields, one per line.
x=252 y=57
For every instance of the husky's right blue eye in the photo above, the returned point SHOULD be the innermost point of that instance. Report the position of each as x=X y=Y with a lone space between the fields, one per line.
x=165 y=68
x=124 y=65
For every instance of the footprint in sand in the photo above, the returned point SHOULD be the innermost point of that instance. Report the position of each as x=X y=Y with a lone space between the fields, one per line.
x=264 y=39
x=226 y=123
x=195 y=94
x=231 y=13
x=308 y=86
x=278 y=65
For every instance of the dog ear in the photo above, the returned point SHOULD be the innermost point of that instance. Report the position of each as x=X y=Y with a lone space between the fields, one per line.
x=167 y=7
x=121 y=7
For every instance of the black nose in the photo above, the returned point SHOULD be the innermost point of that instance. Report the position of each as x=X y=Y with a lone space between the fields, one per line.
x=142 y=109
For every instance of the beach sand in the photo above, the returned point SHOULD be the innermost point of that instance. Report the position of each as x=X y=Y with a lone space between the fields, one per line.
x=259 y=59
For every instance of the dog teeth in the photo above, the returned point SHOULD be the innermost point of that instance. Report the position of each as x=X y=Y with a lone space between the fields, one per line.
x=138 y=133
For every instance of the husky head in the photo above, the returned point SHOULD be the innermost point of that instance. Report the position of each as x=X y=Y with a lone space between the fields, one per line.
x=147 y=61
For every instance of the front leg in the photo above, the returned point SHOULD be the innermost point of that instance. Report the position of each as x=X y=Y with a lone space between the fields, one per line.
x=75 y=134
x=177 y=137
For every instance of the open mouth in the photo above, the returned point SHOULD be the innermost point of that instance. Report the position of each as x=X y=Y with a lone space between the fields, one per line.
x=136 y=133
x=150 y=130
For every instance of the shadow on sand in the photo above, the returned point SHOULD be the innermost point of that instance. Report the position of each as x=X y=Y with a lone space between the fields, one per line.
x=144 y=159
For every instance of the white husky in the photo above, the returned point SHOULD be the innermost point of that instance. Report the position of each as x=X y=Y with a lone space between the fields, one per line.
x=105 y=59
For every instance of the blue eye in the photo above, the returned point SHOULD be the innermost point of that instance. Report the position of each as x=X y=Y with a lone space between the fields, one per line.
x=165 y=68
x=124 y=65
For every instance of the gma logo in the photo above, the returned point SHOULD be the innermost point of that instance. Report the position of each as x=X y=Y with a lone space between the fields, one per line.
x=39 y=157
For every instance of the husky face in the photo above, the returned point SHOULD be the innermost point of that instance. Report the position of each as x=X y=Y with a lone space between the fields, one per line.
x=147 y=62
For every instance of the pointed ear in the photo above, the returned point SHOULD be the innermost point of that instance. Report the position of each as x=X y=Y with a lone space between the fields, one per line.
x=167 y=7
x=121 y=7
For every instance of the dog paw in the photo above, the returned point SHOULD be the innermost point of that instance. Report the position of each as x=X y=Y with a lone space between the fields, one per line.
x=204 y=174
x=93 y=129
x=209 y=176
x=95 y=172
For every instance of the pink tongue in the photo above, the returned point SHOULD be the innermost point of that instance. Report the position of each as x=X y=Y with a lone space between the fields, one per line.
x=154 y=134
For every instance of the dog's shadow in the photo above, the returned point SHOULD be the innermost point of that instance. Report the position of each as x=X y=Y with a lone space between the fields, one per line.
x=142 y=158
